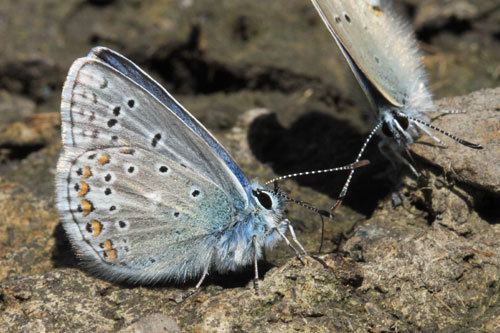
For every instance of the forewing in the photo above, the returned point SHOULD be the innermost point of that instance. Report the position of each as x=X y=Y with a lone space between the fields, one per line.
x=101 y=107
x=141 y=214
x=377 y=43
x=134 y=73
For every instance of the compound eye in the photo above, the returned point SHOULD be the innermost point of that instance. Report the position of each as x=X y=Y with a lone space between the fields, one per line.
x=403 y=122
x=264 y=199
x=386 y=130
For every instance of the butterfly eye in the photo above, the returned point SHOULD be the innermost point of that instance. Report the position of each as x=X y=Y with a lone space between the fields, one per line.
x=386 y=130
x=403 y=122
x=264 y=199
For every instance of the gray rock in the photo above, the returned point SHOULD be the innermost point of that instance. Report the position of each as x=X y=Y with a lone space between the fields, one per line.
x=478 y=123
x=14 y=107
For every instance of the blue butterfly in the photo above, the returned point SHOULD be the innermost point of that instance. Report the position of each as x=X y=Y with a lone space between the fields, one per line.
x=383 y=56
x=144 y=191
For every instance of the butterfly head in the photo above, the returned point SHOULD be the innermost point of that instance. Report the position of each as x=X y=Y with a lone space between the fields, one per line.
x=267 y=200
x=413 y=102
x=397 y=126
x=267 y=213
x=393 y=124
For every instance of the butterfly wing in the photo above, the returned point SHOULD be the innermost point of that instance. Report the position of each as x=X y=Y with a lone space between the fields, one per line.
x=377 y=46
x=101 y=106
x=105 y=112
x=133 y=72
x=139 y=215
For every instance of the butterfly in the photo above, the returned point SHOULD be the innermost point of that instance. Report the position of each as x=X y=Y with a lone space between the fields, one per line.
x=145 y=193
x=383 y=55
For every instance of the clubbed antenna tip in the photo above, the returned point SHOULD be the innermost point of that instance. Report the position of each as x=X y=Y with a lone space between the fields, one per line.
x=360 y=164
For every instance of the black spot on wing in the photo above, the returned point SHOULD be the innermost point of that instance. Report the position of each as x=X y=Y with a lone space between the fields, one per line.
x=155 y=139
x=112 y=122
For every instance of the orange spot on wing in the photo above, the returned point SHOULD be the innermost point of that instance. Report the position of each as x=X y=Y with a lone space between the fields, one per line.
x=103 y=159
x=87 y=172
x=108 y=245
x=84 y=189
x=112 y=255
x=96 y=228
x=109 y=252
x=378 y=11
x=87 y=207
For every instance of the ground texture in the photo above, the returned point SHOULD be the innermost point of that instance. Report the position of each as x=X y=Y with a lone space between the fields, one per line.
x=265 y=77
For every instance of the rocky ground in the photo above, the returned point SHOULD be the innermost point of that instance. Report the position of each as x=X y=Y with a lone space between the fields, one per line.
x=265 y=77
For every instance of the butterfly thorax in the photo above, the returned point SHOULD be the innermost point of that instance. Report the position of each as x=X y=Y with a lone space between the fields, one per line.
x=259 y=223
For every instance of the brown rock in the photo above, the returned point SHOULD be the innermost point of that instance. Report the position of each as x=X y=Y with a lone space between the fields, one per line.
x=431 y=265
x=479 y=124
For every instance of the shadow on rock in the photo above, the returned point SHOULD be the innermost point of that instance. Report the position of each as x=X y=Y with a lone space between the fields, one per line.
x=319 y=141
x=486 y=205
x=62 y=254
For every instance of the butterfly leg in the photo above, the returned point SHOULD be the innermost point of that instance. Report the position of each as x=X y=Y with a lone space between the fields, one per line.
x=255 y=265
x=196 y=288
x=322 y=234
x=294 y=237
x=409 y=165
x=297 y=252
x=394 y=157
x=205 y=274
x=395 y=176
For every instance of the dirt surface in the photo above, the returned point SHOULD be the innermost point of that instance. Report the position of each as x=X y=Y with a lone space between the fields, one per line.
x=265 y=77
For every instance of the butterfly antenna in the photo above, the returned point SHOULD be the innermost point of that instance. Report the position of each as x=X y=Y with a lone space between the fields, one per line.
x=343 y=193
x=448 y=134
x=320 y=212
x=352 y=166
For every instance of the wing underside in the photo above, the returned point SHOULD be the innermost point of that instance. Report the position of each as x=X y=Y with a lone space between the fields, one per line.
x=139 y=213
x=102 y=107
x=143 y=189
x=377 y=43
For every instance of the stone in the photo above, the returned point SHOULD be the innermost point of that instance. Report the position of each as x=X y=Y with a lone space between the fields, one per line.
x=268 y=81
